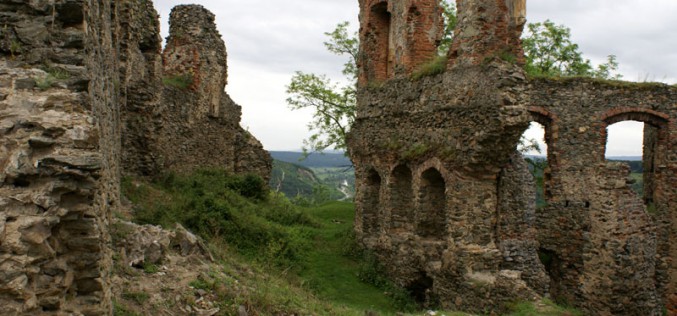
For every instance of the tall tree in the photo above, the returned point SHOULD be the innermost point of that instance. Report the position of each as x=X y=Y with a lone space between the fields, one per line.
x=333 y=104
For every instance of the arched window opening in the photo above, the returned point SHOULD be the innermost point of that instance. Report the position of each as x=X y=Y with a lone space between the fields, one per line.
x=401 y=199
x=378 y=59
x=432 y=206
x=625 y=143
x=370 y=207
x=534 y=148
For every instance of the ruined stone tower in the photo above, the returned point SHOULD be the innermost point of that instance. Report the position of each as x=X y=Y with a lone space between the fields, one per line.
x=447 y=204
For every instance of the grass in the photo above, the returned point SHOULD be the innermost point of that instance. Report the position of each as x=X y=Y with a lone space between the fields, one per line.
x=332 y=274
x=138 y=297
x=53 y=75
x=434 y=67
x=544 y=308
x=121 y=310
x=180 y=81
x=273 y=257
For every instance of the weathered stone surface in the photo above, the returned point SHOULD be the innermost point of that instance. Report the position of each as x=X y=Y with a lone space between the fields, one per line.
x=70 y=71
x=192 y=122
x=445 y=203
x=147 y=244
x=57 y=177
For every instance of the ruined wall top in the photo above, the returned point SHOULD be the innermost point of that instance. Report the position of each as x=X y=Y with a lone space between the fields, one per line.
x=488 y=29
x=397 y=37
x=196 y=53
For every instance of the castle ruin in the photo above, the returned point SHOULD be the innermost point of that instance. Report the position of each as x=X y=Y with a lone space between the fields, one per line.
x=86 y=94
x=444 y=199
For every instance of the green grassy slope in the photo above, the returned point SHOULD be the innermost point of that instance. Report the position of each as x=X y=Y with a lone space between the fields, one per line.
x=274 y=257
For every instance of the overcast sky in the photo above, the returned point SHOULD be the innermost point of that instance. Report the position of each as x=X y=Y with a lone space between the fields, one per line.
x=268 y=40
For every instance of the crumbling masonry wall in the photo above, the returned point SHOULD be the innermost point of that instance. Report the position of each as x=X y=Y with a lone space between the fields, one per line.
x=475 y=246
x=78 y=78
x=397 y=37
x=58 y=156
x=176 y=113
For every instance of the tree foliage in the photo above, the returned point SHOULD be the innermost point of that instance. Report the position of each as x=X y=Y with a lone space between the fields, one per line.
x=333 y=104
x=550 y=52
x=450 y=21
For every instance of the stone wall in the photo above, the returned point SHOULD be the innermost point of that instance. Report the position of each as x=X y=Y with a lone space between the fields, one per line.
x=70 y=71
x=442 y=198
x=58 y=156
x=177 y=115
x=615 y=242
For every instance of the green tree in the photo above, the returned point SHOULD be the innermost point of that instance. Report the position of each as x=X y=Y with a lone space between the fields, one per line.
x=550 y=52
x=333 y=104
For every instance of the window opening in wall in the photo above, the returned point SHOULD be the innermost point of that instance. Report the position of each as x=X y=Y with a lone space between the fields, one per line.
x=370 y=207
x=401 y=199
x=432 y=205
x=534 y=149
x=625 y=142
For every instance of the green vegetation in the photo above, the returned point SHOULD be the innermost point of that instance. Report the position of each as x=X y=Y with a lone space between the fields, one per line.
x=292 y=180
x=550 y=52
x=434 y=67
x=543 y=308
x=314 y=180
x=179 y=81
x=53 y=76
x=299 y=248
x=122 y=310
x=338 y=268
x=138 y=297
x=273 y=257
x=238 y=210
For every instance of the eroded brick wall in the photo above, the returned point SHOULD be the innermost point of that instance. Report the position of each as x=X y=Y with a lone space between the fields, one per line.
x=397 y=37
x=615 y=242
x=486 y=30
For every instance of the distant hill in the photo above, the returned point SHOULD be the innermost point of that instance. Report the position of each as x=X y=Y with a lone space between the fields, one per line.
x=292 y=179
x=315 y=160
x=625 y=158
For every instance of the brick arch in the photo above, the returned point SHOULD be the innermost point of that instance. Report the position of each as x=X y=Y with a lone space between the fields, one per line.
x=648 y=116
x=656 y=143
